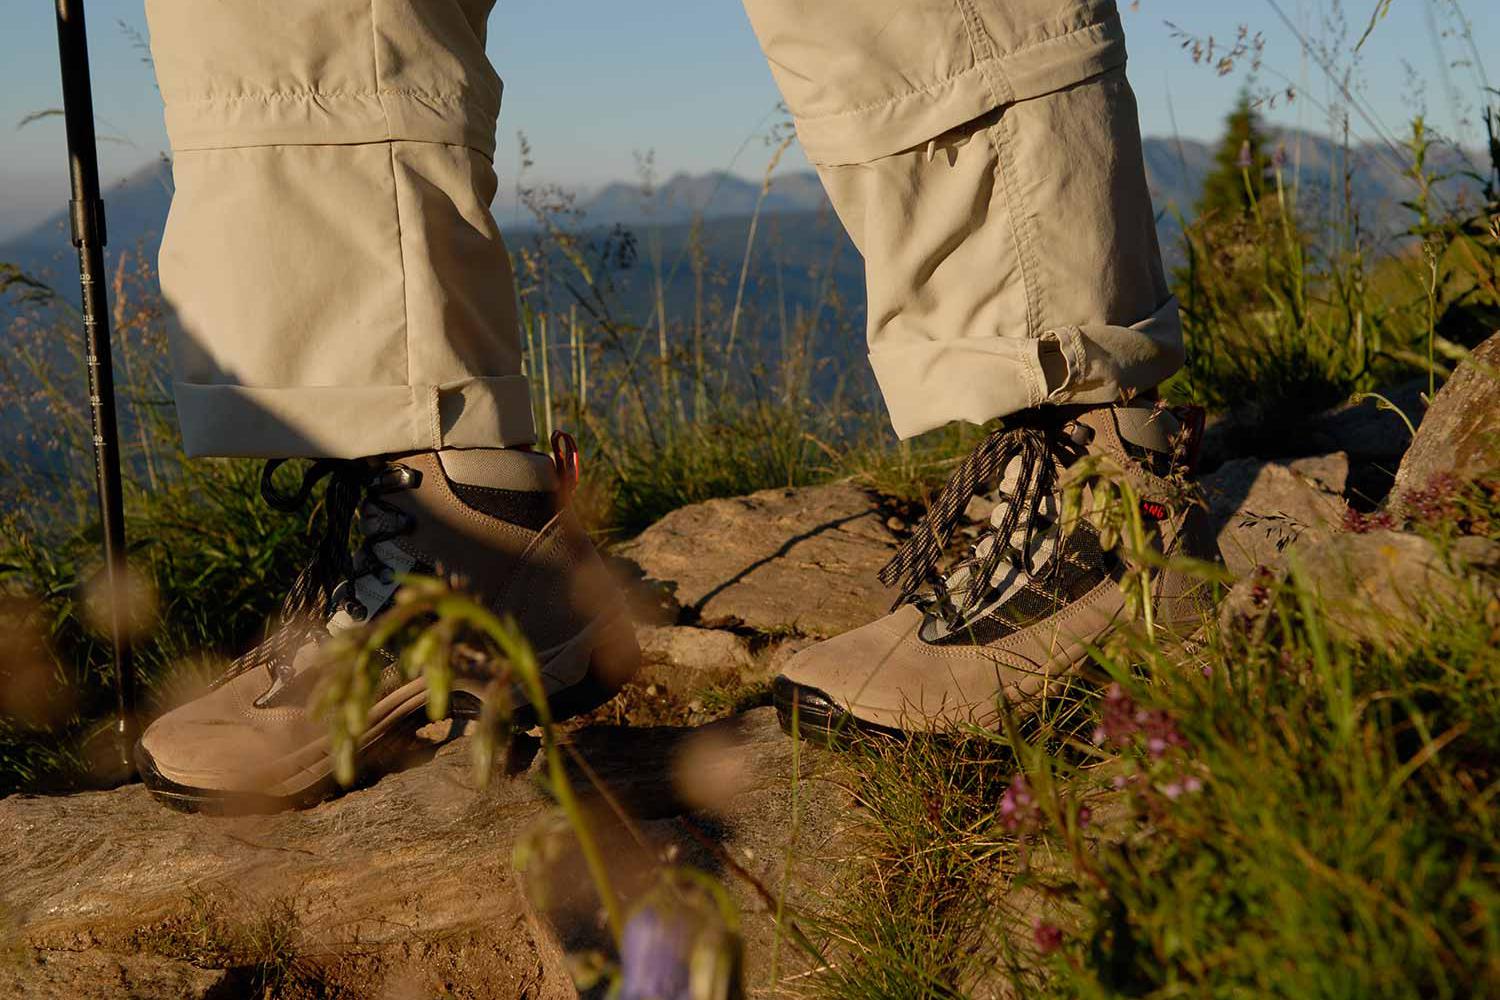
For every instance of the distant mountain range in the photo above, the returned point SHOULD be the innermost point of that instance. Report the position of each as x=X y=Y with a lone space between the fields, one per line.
x=137 y=207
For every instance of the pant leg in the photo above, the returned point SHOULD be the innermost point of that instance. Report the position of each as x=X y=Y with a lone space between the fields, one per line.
x=339 y=284
x=985 y=157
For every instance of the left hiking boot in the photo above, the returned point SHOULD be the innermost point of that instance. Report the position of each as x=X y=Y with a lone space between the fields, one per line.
x=499 y=520
x=1034 y=592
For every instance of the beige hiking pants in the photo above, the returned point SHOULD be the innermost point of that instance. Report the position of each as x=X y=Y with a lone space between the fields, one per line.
x=341 y=289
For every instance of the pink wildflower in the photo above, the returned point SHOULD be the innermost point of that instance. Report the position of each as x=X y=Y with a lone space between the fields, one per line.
x=1019 y=809
x=1048 y=936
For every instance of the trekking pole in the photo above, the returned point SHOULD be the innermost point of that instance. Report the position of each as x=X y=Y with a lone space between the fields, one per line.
x=87 y=216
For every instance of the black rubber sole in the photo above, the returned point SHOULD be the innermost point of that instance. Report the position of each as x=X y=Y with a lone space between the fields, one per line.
x=810 y=714
x=376 y=759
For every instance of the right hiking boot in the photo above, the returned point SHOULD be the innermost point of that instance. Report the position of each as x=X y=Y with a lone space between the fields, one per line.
x=1028 y=599
x=498 y=520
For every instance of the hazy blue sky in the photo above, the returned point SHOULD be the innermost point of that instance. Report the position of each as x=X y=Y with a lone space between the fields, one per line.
x=592 y=82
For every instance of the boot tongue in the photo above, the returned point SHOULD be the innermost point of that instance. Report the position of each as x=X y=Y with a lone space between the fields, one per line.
x=1140 y=425
x=500 y=469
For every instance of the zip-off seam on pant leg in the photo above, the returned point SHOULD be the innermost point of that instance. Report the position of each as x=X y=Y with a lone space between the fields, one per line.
x=395 y=191
x=435 y=416
x=1001 y=93
x=1001 y=136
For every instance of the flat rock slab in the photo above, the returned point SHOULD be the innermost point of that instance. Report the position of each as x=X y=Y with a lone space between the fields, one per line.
x=408 y=881
x=83 y=975
x=1259 y=508
x=1460 y=435
x=689 y=651
x=416 y=864
x=803 y=560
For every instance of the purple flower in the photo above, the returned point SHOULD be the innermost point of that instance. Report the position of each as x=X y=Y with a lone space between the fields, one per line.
x=678 y=941
x=1048 y=936
x=1359 y=524
x=1019 y=809
x=1187 y=784
x=1162 y=735
x=655 y=952
x=1279 y=157
x=1244 y=160
x=1122 y=722
x=1116 y=717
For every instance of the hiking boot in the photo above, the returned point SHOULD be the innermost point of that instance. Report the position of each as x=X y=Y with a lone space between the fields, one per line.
x=497 y=518
x=1030 y=596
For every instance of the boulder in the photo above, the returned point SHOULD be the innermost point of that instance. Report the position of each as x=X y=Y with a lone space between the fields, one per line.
x=1259 y=508
x=1460 y=435
x=404 y=887
x=799 y=560
x=1374 y=587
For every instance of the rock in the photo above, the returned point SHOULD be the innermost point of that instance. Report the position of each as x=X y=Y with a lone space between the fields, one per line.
x=1460 y=435
x=408 y=881
x=804 y=559
x=694 y=650
x=1374 y=582
x=1374 y=587
x=1258 y=508
x=99 y=975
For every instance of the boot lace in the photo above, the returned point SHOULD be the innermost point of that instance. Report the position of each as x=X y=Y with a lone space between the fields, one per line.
x=1037 y=443
x=327 y=584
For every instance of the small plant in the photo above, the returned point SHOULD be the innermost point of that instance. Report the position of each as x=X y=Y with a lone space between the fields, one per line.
x=257 y=940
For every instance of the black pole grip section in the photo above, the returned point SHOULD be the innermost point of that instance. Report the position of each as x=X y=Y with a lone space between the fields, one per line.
x=87 y=215
x=87 y=218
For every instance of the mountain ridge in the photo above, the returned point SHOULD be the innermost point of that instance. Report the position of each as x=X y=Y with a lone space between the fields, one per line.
x=137 y=206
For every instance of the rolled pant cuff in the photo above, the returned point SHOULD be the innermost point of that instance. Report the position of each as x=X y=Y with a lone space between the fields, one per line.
x=931 y=383
x=353 y=421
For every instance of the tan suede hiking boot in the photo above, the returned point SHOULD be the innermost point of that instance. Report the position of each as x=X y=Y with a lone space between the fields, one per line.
x=1029 y=598
x=499 y=520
